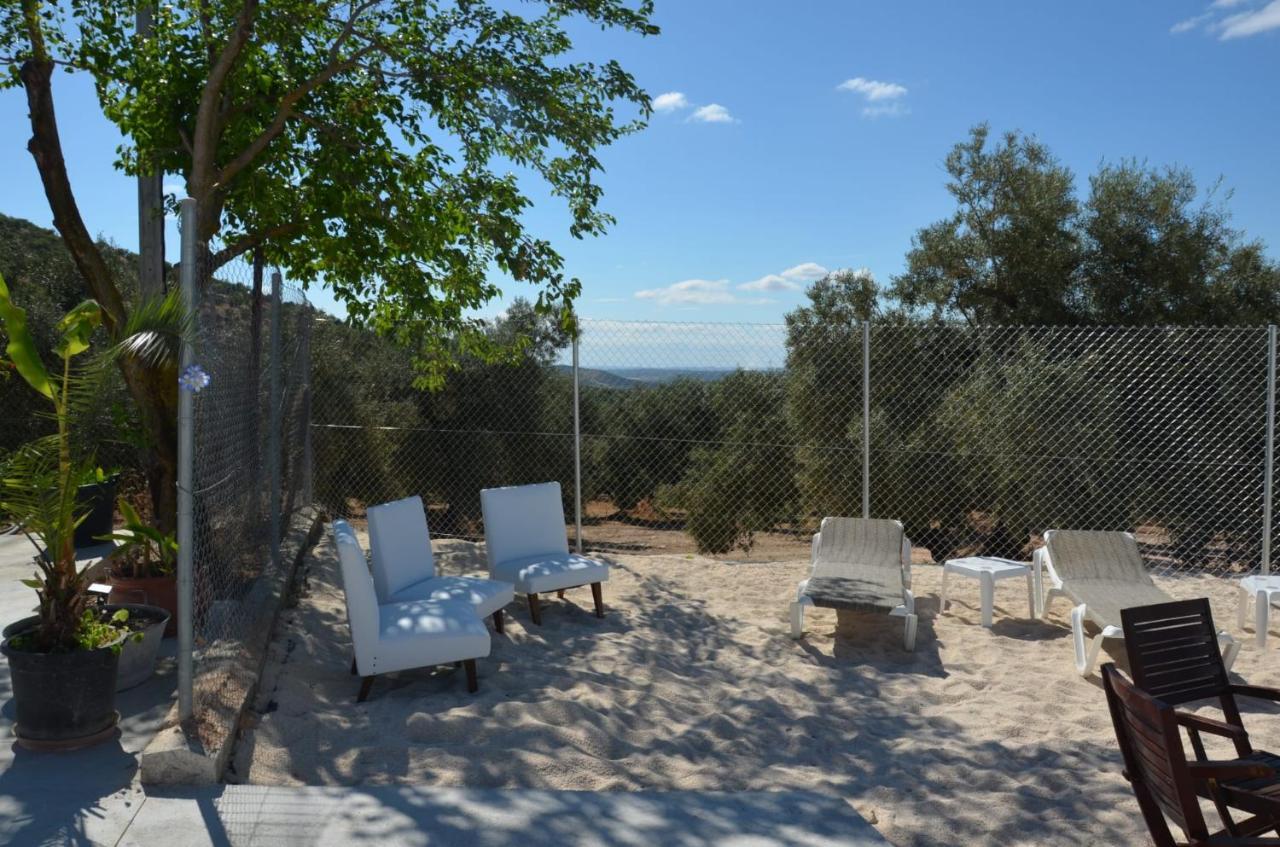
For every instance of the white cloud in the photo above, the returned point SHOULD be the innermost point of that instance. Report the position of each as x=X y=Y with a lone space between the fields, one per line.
x=1253 y=17
x=872 y=89
x=1253 y=22
x=670 y=102
x=886 y=110
x=691 y=292
x=1189 y=24
x=792 y=279
x=713 y=113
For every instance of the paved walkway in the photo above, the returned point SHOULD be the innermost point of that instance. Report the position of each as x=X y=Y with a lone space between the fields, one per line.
x=82 y=797
x=93 y=797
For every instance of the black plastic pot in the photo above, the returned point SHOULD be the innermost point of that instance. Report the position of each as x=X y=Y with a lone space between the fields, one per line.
x=63 y=700
x=100 y=499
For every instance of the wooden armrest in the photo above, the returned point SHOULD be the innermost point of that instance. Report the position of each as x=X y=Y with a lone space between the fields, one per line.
x=1214 y=727
x=1258 y=691
x=1230 y=769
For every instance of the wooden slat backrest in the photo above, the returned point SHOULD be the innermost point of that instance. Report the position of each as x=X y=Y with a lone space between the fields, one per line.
x=1173 y=651
x=1147 y=732
x=1175 y=657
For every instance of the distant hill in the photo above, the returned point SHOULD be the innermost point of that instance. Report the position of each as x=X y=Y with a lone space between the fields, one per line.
x=661 y=375
x=598 y=378
x=623 y=378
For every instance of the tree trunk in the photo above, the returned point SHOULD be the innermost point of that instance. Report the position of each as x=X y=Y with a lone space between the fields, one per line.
x=154 y=390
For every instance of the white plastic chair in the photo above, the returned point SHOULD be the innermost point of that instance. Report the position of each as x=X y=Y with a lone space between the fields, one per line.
x=399 y=636
x=404 y=567
x=1101 y=573
x=526 y=544
x=859 y=564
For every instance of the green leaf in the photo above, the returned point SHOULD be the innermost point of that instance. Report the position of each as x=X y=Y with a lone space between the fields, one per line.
x=120 y=616
x=77 y=328
x=129 y=513
x=22 y=346
x=33 y=583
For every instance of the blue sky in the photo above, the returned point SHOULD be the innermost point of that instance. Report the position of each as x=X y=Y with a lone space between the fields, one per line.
x=809 y=135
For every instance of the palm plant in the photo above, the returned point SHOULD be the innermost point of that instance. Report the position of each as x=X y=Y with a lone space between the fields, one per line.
x=40 y=480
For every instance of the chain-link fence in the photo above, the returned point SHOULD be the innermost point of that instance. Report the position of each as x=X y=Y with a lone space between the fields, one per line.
x=250 y=452
x=734 y=440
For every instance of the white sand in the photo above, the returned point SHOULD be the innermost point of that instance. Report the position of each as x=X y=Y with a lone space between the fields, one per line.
x=691 y=682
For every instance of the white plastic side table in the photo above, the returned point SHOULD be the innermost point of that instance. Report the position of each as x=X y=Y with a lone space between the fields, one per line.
x=988 y=569
x=1261 y=591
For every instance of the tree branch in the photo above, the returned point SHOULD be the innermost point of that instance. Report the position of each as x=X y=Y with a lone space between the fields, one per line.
x=205 y=137
x=251 y=241
x=46 y=148
x=285 y=111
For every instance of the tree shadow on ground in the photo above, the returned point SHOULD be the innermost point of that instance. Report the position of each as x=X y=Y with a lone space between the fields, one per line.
x=666 y=694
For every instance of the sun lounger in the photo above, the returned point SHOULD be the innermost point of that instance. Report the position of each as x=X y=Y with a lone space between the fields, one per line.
x=391 y=637
x=1102 y=573
x=858 y=565
x=404 y=568
x=526 y=543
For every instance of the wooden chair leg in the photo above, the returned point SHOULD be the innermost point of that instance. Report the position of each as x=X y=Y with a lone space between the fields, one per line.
x=353 y=665
x=472 y=684
x=366 y=683
x=535 y=611
x=597 y=594
x=498 y=625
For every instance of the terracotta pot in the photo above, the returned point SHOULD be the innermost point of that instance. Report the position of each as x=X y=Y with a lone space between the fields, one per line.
x=159 y=591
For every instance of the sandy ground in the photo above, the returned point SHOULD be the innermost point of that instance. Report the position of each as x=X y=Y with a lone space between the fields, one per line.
x=691 y=682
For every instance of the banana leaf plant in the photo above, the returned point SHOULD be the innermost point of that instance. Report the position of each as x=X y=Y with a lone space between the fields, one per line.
x=142 y=550
x=39 y=481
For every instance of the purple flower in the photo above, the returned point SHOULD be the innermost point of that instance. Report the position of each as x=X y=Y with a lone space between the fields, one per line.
x=193 y=379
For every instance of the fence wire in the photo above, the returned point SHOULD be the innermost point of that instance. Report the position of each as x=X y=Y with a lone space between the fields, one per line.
x=735 y=440
x=236 y=427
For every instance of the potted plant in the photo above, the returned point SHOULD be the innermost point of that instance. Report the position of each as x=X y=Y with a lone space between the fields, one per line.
x=63 y=662
x=142 y=569
x=98 y=497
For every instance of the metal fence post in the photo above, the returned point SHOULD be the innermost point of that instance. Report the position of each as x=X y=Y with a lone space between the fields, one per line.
x=866 y=419
x=305 y=352
x=577 y=453
x=189 y=282
x=274 y=412
x=1269 y=463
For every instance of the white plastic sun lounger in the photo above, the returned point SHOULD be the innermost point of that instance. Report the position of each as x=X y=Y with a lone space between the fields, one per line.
x=392 y=637
x=862 y=565
x=1102 y=573
x=404 y=568
x=526 y=543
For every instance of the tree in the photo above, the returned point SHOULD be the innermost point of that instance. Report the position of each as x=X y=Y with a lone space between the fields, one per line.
x=742 y=484
x=1010 y=251
x=1153 y=256
x=824 y=392
x=366 y=145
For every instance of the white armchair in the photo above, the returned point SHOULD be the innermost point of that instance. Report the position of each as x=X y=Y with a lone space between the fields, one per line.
x=404 y=568
x=526 y=544
x=399 y=636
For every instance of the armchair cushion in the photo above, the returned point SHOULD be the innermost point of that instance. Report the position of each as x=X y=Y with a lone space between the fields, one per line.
x=486 y=596
x=401 y=546
x=421 y=633
x=540 y=574
x=522 y=521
